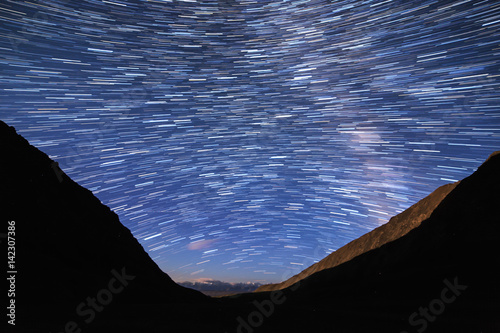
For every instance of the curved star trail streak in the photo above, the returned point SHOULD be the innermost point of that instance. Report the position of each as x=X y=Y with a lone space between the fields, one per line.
x=249 y=139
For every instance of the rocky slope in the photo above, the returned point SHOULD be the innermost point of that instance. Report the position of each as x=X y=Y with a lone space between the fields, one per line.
x=441 y=276
x=397 y=226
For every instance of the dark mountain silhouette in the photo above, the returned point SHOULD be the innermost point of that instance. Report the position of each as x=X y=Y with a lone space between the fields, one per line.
x=434 y=273
x=69 y=245
x=442 y=276
x=397 y=226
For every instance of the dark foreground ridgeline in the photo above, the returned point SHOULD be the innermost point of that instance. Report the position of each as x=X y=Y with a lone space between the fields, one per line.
x=81 y=270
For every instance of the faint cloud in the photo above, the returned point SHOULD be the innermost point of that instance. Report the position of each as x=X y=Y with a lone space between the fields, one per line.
x=201 y=244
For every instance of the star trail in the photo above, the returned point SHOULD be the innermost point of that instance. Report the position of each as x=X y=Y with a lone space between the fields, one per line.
x=246 y=140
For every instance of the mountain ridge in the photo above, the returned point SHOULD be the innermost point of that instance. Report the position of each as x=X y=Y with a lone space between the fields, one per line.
x=72 y=248
x=68 y=244
x=401 y=286
x=396 y=227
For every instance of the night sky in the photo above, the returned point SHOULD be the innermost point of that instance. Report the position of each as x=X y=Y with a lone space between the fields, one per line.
x=246 y=140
